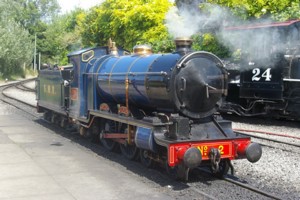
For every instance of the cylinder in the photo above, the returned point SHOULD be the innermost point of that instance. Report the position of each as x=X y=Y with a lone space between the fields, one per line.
x=144 y=139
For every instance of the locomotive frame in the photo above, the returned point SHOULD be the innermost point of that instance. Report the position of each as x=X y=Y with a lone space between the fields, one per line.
x=158 y=107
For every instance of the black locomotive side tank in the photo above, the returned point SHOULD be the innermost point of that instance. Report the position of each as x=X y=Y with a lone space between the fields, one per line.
x=190 y=82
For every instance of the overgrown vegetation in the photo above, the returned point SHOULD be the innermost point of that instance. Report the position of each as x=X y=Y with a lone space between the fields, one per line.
x=127 y=22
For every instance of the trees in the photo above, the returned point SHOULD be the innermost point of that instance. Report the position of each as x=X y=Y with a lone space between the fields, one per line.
x=20 y=22
x=279 y=10
x=63 y=36
x=34 y=14
x=16 y=47
x=126 y=22
x=234 y=12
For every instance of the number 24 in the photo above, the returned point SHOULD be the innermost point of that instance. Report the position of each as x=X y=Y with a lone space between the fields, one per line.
x=266 y=74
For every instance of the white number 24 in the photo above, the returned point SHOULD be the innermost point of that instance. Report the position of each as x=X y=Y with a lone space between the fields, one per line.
x=266 y=74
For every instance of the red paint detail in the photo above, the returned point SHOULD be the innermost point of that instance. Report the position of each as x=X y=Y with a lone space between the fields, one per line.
x=231 y=149
x=123 y=110
x=104 y=107
x=262 y=25
x=171 y=156
x=241 y=149
x=114 y=135
x=180 y=152
x=74 y=94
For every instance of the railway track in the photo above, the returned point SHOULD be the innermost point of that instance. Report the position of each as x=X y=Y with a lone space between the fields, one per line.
x=249 y=187
x=231 y=180
x=269 y=139
x=25 y=88
x=288 y=143
x=288 y=138
x=18 y=103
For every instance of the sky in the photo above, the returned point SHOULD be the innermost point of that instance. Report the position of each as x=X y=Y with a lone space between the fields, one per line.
x=68 y=5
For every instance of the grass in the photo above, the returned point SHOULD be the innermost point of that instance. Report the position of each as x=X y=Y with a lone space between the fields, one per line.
x=29 y=73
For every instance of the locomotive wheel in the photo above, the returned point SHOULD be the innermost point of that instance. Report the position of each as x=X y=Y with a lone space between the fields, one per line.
x=53 y=118
x=109 y=144
x=63 y=122
x=145 y=160
x=224 y=166
x=108 y=127
x=179 y=172
x=83 y=131
x=47 y=115
x=94 y=132
x=129 y=151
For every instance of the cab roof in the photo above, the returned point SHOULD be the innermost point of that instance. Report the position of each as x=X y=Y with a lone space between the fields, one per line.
x=81 y=51
x=263 y=25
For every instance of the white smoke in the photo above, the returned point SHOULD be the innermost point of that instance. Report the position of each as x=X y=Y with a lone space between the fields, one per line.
x=268 y=45
x=187 y=21
x=181 y=24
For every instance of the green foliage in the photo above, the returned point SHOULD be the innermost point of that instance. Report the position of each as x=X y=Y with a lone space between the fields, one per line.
x=292 y=11
x=127 y=22
x=37 y=16
x=20 y=21
x=70 y=39
x=279 y=10
x=16 y=48
x=241 y=11
x=32 y=13
x=61 y=37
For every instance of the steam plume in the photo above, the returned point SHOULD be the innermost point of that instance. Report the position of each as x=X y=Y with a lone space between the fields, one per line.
x=190 y=20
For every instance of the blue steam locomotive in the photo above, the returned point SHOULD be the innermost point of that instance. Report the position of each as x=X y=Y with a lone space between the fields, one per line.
x=158 y=107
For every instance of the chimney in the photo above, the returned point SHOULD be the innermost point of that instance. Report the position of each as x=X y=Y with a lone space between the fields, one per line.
x=183 y=44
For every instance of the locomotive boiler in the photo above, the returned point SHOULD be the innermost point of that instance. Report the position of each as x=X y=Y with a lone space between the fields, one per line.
x=158 y=107
x=191 y=85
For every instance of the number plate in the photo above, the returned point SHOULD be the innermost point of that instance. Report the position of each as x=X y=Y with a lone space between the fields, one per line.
x=224 y=148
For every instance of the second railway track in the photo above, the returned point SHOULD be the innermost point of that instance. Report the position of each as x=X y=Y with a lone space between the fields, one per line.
x=10 y=95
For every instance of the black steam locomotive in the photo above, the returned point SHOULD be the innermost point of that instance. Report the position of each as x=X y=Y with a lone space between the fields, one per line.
x=158 y=107
x=266 y=80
